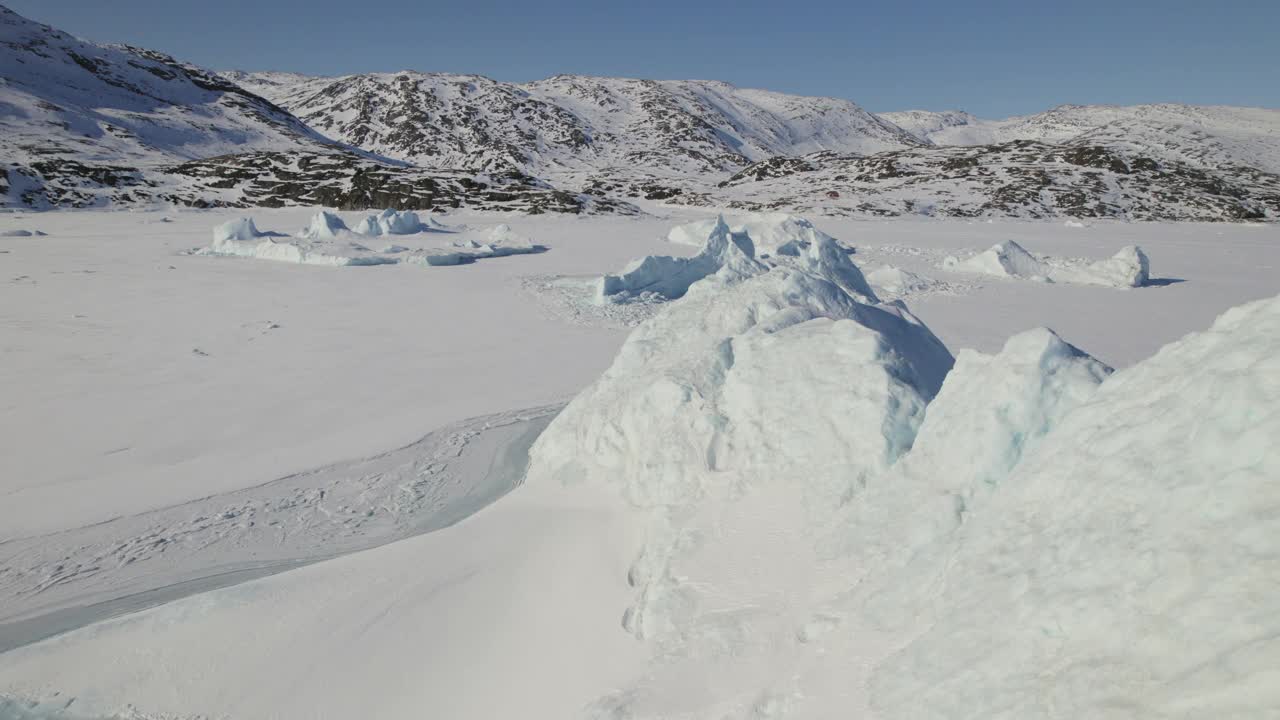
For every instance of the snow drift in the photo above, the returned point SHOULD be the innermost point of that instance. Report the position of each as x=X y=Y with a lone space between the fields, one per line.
x=1127 y=268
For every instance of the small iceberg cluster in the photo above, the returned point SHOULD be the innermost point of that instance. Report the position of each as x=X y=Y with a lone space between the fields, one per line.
x=1128 y=268
x=327 y=240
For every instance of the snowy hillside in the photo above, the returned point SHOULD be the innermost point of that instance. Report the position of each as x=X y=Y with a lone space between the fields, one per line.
x=572 y=122
x=1018 y=178
x=88 y=125
x=1207 y=136
x=83 y=124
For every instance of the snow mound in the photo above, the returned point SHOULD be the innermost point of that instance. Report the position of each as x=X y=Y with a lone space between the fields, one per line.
x=1005 y=259
x=1127 y=268
x=1126 y=568
x=324 y=225
x=897 y=281
x=240 y=229
x=784 y=241
x=394 y=222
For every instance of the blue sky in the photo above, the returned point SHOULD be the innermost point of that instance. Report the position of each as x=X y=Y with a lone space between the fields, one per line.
x=993 y=58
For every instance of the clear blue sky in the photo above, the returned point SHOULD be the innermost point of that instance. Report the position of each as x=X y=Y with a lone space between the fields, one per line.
x=990 y=57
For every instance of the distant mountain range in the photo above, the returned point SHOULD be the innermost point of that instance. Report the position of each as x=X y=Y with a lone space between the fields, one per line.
x=83 y=124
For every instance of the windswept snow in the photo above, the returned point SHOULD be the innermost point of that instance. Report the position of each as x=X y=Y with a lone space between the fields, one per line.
x=1128 y=268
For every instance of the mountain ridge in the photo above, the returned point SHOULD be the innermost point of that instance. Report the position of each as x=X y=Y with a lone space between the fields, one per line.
x=90 y=125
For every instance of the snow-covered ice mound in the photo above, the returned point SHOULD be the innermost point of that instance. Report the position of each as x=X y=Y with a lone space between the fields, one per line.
x=896 y=281
x=396 y=222
x=239 y=230
x=1127 y=566
x=1127 y=268
x=324 y=225
x=319 y=244
x=1047 y=535
x=784 y=241
x=769 y=231
x=328 y=241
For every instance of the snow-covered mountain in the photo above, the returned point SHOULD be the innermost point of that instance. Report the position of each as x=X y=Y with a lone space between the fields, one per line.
x=573 y=122
x=83 y=124
x=1208 y=136
x=1020 y=178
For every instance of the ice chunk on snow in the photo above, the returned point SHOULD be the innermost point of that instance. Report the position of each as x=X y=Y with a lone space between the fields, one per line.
x=769 y=231
x=1127 y=567
x=898 y=281
x=21 y=233
x=670 y=277
x=766 y=377
x=1127 y=268
x=324 y=225
x=792 y=242
x=394 y=222
x=992 y=410
x=240 y=229
x=327 y=241
x=1005 y=259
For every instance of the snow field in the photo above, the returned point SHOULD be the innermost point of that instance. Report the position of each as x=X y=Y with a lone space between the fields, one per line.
x=778 y=502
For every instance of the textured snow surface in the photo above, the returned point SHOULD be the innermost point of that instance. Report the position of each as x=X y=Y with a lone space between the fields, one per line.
x=1126 y=269
x=781 y=500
